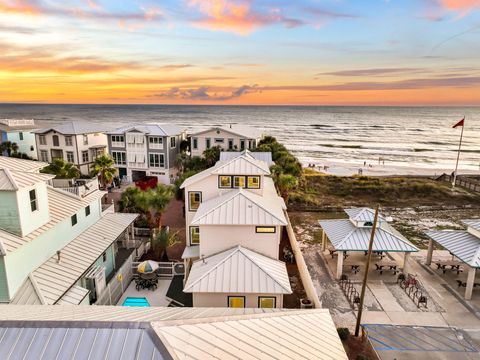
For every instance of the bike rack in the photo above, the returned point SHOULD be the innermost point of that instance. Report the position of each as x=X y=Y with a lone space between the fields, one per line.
x=413 y=288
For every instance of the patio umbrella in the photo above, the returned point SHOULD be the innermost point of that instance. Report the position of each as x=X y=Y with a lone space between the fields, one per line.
x=147 y=266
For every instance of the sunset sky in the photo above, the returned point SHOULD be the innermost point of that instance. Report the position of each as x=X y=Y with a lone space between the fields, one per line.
x=325 y=52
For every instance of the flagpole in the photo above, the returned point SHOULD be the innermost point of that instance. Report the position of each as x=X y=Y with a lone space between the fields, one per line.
x=458 y=155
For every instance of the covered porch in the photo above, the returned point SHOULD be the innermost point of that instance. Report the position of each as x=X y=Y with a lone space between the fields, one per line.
x=462 y=265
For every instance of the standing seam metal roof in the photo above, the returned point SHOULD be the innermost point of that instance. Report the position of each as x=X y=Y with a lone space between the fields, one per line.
x=227 y=272
x=473 y=223
x=21 y=164
x=261 y=156
x=53 y=279
x=12 y=180
x=345 y=236
x=149 y=129
x=462 y=244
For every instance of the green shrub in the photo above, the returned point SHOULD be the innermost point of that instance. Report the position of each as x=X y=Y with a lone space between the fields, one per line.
x=361 y=357
x=343 y=333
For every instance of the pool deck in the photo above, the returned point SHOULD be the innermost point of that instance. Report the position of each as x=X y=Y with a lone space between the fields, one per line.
x=155 y=298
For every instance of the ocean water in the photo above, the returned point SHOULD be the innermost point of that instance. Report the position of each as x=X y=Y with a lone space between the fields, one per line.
x=419 y=137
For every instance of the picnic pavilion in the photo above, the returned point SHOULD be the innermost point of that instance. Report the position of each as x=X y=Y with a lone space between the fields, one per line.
x=353 y=235
x=464 y=245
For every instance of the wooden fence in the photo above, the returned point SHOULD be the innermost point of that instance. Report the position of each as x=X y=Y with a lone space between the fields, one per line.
x=469 y=183
x=119 y=283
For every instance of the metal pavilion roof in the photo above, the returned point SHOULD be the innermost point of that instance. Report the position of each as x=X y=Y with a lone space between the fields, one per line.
x=473 y=223
x=345 y=236
x=241 y=207
x=462 y=244
x=227 y=271
x=362 y=214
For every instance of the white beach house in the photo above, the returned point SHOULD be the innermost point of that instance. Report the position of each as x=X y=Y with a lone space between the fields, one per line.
x=75 y=142
x=20 y=132
x=146 y=150
x=232 y=138
x=234 y=221
x=56 y=247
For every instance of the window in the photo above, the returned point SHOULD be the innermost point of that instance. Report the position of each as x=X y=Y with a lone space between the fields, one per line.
x=242 y=144
x=250 y=146
x=194 y=200
x=173 y=142
x=253 y=182
x=33 y=200
x=156 y=160
x=239 y=181
x=195 y=143
x=224 y=181
x=267 y=302
x=265 y=229
x=368 y=224
x=87 y=210
x=20 y=135
x=32 y=148
x=56 y=141
x=42 y=139
x=208 y=143
x=118 y=138
x=104 y=256
x=74 y=220
x=85 y=139
x=155 y=142
x=70 y=156
x=230 y=144
x=219 y=140
x=68 y=141
x=85 y=156
x=119 y=157
x=236 y=301
x=194 y=235
x=44 y=155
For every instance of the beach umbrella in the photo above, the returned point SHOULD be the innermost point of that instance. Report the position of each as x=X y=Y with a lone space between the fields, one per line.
x=147 y=266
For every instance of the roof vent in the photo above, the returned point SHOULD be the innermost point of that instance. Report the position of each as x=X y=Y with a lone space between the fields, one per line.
x=58 y=256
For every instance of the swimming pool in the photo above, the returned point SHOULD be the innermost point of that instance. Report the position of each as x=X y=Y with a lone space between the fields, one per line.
x=136 y=301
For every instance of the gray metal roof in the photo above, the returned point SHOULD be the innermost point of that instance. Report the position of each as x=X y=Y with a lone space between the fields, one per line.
x=21 y=164
x=345 y=236
x=149 y=129
x=362 y=214
x=241 y=207
x=54 y=278
x=262 y=156
x=462 y=244
x=74 y=128
x=240 y=130
x=79 y=340
x=238 y=270
x=473 y=223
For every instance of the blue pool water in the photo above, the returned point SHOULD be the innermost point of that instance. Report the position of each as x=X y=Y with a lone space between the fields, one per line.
x=136 y=301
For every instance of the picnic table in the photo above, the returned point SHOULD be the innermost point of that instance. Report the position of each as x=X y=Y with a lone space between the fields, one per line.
x=464 y=284
x=333 y=252
x=454 y=265
x=355 y=266
x=392 y=265
x=381 y=254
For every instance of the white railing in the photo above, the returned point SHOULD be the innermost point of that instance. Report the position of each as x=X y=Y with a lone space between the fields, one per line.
x=143 y=232
x=17 y=122
x=166 y=270
x=108 y=208
x=118 y=144
x=82 y=187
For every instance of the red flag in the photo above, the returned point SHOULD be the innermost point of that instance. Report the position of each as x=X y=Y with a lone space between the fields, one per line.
x=460 y=123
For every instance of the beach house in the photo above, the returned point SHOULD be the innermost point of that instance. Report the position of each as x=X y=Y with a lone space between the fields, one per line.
x=234 y=221
x=146 y=150
x=57 y=247
x=20 y=132
x=75 y=142
x=231 y=138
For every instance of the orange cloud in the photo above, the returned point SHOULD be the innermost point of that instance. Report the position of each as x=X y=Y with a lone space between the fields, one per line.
x=24 y=7
x=460 y=5
x=236 y=16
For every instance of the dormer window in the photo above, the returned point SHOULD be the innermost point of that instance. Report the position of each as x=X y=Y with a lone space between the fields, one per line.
x=33 y=200
x=367 y=224
x=224 y=181
x=253 y=182
x=239 y=182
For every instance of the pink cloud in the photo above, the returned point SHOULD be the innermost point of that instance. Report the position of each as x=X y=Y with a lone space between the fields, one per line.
x=237 y=16
x=460 y=5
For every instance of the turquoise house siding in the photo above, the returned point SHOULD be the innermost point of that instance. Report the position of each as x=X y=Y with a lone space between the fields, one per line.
x=27 y=145
x=9 y=219
x=28 y=257
x=109 y=262
x=4 y=297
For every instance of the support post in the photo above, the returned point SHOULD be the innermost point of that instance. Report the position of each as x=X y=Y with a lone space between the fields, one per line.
x=324 y=240
x=470 y=282
x=406 y=257
x=365 y=276
x=429 y=252
x=339 y=264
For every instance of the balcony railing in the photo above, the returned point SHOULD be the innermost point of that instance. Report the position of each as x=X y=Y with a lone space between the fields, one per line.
x=79 y=187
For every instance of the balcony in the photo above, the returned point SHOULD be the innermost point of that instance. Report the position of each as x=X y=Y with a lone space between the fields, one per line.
x=78 y=187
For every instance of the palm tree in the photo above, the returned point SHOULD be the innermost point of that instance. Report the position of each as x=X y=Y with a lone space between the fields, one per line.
x=212 y=155
x=162 y=241
x=103 y=166
x=285 y=183
x=62 y=169
x=128 y=199
x=181 y=161
x=159 y=198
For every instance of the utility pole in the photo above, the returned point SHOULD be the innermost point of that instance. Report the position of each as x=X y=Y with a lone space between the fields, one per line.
x=462 y=124
x=367 y=267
